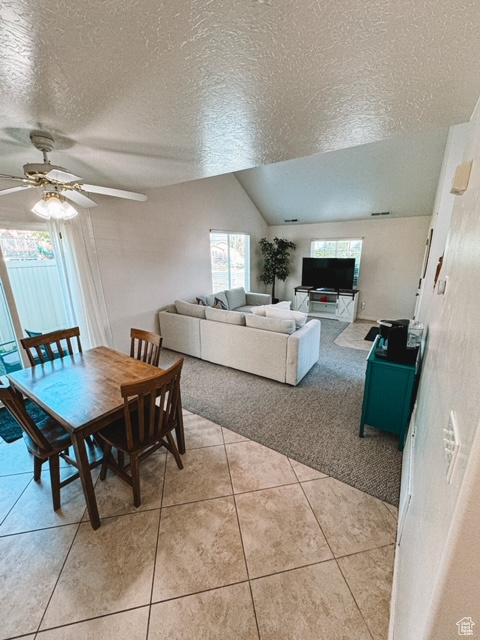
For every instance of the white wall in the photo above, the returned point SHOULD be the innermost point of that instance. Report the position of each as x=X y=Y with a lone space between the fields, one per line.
x=437 y=577
x=392 y=256
x=442 y=212
x=155 y=252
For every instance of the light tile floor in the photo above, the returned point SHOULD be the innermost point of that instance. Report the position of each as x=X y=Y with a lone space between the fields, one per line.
x=354 y=335
x=243 y=544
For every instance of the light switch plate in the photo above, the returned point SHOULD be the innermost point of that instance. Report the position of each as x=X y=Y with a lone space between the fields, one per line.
x=451 y=444
x=442 y=285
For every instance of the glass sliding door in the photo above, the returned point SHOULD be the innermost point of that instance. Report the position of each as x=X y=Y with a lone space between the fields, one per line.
x=9 y=352
x=34 y=279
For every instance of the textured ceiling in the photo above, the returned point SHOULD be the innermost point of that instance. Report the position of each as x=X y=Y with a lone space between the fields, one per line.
x=145 y=93
x=399 y=175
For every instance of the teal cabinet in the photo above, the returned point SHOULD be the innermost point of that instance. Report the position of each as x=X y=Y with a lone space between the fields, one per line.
x=389 y=395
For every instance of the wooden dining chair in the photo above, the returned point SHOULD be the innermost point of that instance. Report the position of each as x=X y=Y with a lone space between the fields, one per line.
x=145 y=346
x=151 y=413
x=44 y=347
x=45 y=440
x=53 y=345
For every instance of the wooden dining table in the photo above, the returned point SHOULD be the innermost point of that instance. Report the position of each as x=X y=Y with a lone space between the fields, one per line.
x=82 y=392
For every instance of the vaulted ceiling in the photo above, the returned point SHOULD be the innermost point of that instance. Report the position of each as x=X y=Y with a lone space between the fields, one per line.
x=147 y=93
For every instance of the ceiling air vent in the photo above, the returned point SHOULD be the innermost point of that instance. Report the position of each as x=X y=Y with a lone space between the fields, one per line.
x=292 y=220
x=381 y=213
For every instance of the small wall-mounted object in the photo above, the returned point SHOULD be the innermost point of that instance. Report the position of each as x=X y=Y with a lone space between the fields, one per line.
x=461 y=178
x=442 y=285
x=451 y=444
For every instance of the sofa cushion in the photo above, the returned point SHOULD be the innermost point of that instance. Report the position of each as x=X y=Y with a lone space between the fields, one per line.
x=270 y=324
x=210 y=300
x=260 y=310
x=220 y=315
x=190 y=309
x=236 y=297
x=285 y=314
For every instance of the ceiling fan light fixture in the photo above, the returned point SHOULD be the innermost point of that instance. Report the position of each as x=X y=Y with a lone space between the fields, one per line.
x=53 y=205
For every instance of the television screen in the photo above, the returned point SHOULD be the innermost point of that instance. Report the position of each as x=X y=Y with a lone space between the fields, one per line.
x=328 y=273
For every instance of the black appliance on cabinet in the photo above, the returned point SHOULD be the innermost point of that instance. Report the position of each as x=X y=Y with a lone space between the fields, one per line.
x=393 y=342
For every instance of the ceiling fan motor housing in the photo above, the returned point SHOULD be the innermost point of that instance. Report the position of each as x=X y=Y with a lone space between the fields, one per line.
x=42 y=141
x=38 y=171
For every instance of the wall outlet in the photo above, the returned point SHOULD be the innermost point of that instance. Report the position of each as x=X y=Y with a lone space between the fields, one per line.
x=362 y=306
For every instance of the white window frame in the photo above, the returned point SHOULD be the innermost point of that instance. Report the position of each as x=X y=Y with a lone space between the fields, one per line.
x=317 y=251
x=234 y=275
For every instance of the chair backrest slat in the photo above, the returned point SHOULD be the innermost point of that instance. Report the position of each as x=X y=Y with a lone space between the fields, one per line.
x=150 y=405
x=39 y=348
x=145 y=346
x=13 y=402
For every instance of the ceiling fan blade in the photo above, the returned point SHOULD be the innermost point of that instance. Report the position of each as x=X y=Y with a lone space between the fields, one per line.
x=4 y=176
x=61 y=176
x=4 y=192
x=79 y=198
x=118 y=193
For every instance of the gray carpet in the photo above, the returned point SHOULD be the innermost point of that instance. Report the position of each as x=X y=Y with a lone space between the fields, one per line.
x=316 y=423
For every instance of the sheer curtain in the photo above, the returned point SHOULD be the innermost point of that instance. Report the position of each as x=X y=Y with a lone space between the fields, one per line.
x=76 y=254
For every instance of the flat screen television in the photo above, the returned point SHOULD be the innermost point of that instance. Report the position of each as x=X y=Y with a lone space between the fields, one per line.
x=328 y=273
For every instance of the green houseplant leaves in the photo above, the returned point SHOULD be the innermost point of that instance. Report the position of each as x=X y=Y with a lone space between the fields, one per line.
x=276 y=261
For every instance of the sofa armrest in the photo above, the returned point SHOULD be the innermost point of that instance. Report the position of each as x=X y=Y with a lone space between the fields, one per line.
x=303 y=351
x=180 y=333
x=255 y=299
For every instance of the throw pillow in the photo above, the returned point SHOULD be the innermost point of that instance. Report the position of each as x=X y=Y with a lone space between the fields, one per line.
x=219 y=304
x=270 y=324
x=281 y=305
x=221 y=315
x=259 y=310
x=285 y=314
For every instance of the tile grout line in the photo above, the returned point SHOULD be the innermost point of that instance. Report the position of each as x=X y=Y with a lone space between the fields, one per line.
x=241 y=539
x=156 y=547
x=14 y=505
x=316 y=519
x=334 y=558
x=354 y=599
x=60 y=572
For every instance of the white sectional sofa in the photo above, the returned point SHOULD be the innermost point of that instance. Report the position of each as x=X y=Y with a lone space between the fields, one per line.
x=272 y=347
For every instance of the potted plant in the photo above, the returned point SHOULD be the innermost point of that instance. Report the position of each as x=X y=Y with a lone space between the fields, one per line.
x=276 y=256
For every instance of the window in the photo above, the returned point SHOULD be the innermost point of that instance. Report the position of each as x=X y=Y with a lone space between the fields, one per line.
x=230 y=258
x=341 y=248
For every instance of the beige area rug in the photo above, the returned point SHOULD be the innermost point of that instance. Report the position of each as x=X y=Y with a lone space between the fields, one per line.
x=354 y=335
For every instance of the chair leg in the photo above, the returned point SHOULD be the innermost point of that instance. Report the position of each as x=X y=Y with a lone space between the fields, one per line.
x=37 y=468
x=107 y=449
x=54 y=464
x=135 y=474
x=121 y=459
x=174 y=450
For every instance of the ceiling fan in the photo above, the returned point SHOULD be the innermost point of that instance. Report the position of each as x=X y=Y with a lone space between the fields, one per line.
x=58 y=185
